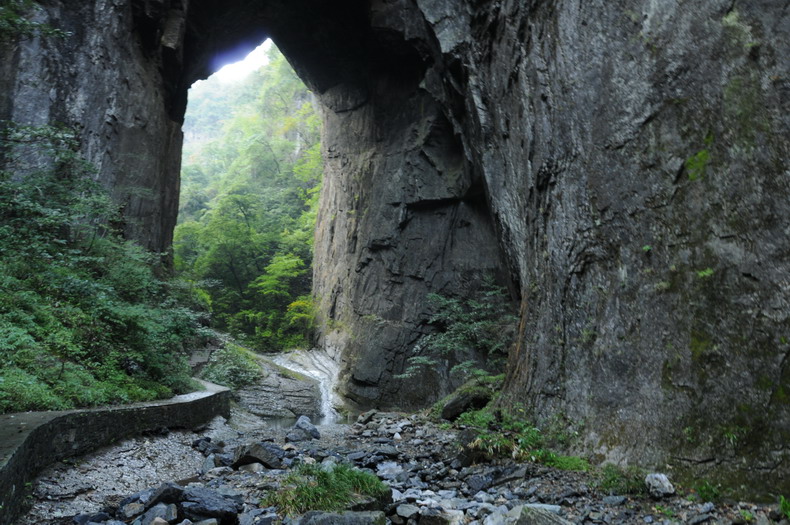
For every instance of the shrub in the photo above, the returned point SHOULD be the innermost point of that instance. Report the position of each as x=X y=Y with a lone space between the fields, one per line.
x=482 y=322
x=84 y=319
x=232 y=366
x=314 y=487
x=784 y=506
x=20 y=390
x=503 y=435
x=16 y=22
x=707 y=491
x=616 y=480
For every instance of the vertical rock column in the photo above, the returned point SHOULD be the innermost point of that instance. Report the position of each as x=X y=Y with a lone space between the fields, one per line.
x=105 y=80
x=401 y=216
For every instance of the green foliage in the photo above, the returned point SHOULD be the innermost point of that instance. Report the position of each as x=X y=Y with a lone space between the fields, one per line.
x=483 y=322
x=22 y=391
x=481 y=419
x=232 y=366
x=16 y=21
x=665 y=511
x=84 y=319
x=250 y=185
x=707 y=491
x=621 y=481
x=697 y=164
x=504 y=435
x=704 y=274
x=484 y=385
x=569 y=463
x=314 y=487
x=784 y=506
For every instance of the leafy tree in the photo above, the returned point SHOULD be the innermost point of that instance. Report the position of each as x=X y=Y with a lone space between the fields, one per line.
x=16 y=21
x=249 y=196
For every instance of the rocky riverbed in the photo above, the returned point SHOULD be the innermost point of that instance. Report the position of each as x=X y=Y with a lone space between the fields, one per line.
x=218 y=474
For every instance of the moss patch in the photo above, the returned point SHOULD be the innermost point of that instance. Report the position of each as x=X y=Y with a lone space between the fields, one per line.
x=697 y=164
x=699 y=345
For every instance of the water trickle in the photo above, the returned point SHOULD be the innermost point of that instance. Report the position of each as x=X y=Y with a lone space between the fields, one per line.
x=318 y=365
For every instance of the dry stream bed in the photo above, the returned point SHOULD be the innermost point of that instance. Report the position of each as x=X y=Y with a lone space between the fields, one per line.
x=415 y=457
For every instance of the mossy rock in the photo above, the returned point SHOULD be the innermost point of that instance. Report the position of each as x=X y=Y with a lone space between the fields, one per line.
x=472 y=395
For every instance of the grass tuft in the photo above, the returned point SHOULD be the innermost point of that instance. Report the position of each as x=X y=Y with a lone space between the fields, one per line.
x=313 y=487
x=621 y=481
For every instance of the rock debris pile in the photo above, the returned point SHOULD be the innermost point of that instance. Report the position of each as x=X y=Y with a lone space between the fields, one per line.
x=430 y=483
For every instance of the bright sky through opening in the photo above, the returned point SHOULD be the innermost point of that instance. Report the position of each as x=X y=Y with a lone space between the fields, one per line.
x=239 y=70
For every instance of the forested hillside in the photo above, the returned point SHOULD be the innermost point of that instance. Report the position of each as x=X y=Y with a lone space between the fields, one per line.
x=250 y=182
x=86 y=317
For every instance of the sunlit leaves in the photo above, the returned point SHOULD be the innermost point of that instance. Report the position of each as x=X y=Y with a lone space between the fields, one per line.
x=249 y=199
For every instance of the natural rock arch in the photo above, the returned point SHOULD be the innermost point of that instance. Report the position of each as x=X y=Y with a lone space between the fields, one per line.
x=623 y=166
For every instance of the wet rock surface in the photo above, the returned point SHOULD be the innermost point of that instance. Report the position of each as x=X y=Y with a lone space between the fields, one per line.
x=181 y=478
x=281 y=393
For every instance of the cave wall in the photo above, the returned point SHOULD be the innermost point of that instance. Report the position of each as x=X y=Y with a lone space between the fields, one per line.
x=621 y=164
x=633 y=159
x=635 y=155
x=107 y=81
x=402 y=215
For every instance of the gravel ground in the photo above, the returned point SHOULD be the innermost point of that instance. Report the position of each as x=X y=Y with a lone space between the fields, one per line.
x=88 y=483
x=417 y=458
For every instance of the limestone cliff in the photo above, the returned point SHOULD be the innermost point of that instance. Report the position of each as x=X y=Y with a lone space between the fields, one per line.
x=622 y=165
x=109 y=81
x=634 y=162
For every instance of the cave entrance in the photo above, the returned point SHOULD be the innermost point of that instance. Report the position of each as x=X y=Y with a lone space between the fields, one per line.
x=403 y=214
x=250 y=178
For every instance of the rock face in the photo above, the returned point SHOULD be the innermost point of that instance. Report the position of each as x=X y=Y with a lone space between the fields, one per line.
x=402 y=215
x=114 y=84
x=634 y=165
x=280 y=393
x=623 y=165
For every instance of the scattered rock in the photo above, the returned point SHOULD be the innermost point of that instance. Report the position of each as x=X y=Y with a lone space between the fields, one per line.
x=407 y=511
x=478 y=482
x=387 y=450
x=252 y=467
x=162 y=511
x=389 y=470
x=510 y=474
x=658 y=486
x=365 y=417
x=167 y=493
x=427 y=485
x=130 y=510
x=258 y=517
x=268 y=454
x=436 y=516
x=554 y=509
x=305 y=425
x=539 y=515
x=84 y=519
x=343 y=518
